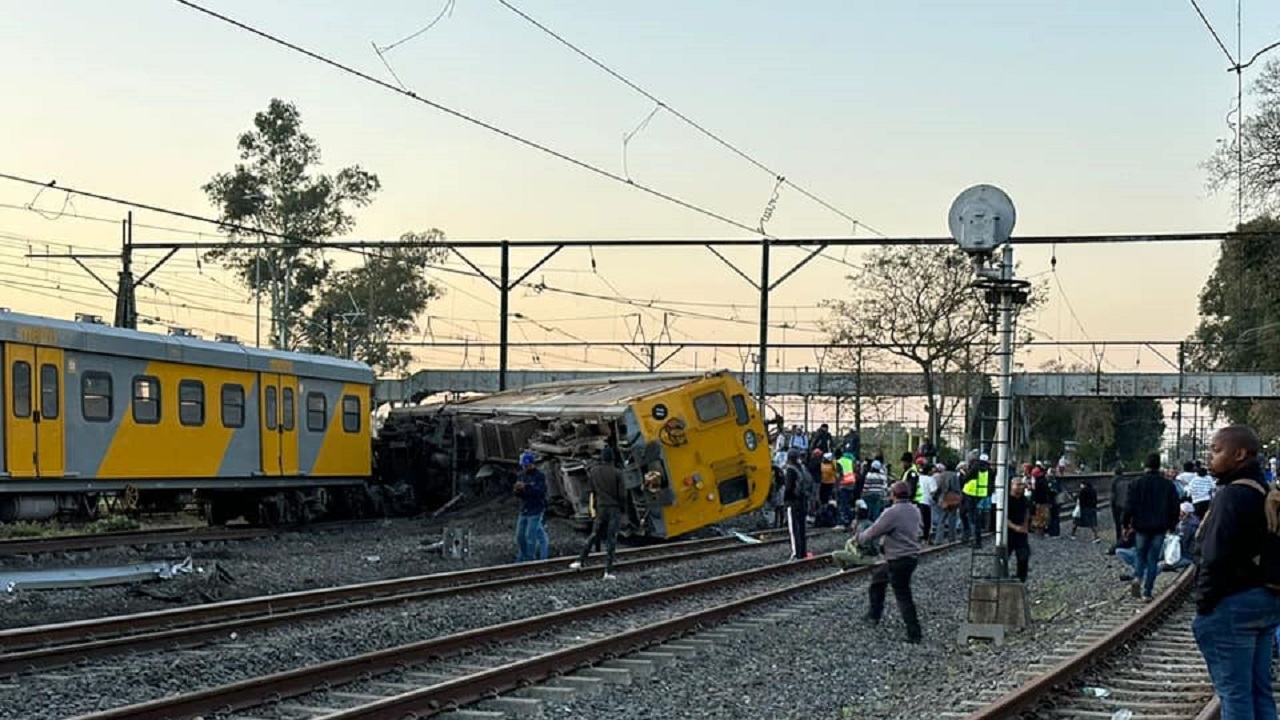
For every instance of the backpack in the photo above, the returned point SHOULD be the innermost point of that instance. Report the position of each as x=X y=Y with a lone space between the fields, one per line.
x=1268 y=558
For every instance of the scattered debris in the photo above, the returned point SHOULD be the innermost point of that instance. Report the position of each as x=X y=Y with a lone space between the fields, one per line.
x=62 y=578
x=373 y=558
x=204 y=584
x=748 y=539
x=1097 y=692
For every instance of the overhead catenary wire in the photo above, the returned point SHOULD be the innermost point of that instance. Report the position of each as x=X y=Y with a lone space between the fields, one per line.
x=510 y=135
x=663 y=105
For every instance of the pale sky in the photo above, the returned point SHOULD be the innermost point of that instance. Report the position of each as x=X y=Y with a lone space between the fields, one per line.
x=1092 y=114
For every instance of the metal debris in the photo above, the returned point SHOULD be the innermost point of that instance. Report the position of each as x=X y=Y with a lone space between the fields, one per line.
x=62 y=578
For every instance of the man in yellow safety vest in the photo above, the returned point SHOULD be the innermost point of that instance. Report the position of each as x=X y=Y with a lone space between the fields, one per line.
x=976 y=488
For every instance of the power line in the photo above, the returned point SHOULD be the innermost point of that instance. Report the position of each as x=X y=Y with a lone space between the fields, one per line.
x=468 y=118
x=661 y=104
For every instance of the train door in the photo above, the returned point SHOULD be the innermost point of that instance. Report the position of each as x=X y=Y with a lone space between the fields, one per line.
x=269 y=411
x=288 y=425
x=49 y=421
x=34 y=425
x=279 y=408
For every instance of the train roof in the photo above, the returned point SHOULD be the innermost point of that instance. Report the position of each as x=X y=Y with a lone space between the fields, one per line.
x=104 y=339
x=606 y=396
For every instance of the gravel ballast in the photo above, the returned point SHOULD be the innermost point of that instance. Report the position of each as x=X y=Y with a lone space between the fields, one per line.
x=830 y=664
x=293 y=560
x=97 y=686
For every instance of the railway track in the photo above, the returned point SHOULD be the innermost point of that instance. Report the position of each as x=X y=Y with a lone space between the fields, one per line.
x=573 y=648
x=160 y=536
x=46 y=647
x=1142 y=664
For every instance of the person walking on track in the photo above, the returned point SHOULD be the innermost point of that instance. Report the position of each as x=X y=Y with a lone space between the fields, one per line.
x=607 y=493
x=899 y=528
x=1152 y=512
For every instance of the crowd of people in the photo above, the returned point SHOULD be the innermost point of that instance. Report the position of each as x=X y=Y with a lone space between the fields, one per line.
x=1221 y=517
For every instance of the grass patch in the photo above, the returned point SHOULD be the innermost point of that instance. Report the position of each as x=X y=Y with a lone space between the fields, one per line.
x=24 y=530
x=113 y=523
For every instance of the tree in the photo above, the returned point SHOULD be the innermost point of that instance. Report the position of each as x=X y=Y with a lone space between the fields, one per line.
x=1239 y=328
x=1254 y=164
x=360 y=310
x=916 y=303
x=275 y=189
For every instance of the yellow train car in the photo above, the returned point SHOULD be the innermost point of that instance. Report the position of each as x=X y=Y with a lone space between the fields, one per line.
x=93 y=411
x=693 y=447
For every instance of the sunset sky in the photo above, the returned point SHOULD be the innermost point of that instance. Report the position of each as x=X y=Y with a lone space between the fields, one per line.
x=1093 y=114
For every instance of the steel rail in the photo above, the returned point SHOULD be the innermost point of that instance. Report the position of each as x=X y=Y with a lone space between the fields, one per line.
x=255 y=691
x=63 y=543
x=180 y=627
x=1030 y=694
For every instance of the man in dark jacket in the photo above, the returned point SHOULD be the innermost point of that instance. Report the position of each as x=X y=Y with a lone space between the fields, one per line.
x=821 y=440
x=1236 y=616
x=607 y=494
x=796 y=499
x=1120 y=485
x=1152 y=511
x=531 y=488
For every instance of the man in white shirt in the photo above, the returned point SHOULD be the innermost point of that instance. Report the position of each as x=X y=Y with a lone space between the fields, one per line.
x=1201 y=490
x=1184 y=479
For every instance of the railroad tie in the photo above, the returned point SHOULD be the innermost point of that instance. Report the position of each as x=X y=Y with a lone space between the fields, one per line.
x=613 y=676
x=659 y=659
x=639 y=669
x=518 y=707
x=548 y=693
x=588 y=686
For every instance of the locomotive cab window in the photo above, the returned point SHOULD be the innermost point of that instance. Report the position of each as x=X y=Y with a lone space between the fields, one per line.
x=317 y=411
x=740 y=409
x=350 y=413
x=21 y=388
x=146 y=400
x=233 y=406
x=286 y=409
x=191 y=403
x=711 y=406
x=95 y=396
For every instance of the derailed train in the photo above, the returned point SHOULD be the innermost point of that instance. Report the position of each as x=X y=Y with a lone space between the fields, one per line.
x=693 y=448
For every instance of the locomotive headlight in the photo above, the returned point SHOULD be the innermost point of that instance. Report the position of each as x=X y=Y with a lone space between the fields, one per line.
x=749 y=437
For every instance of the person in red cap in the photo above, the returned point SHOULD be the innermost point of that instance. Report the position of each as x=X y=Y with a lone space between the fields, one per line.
x=899 y=529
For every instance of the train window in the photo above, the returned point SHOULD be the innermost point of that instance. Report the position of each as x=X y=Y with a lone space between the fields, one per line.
x=286 y=408
x=350 y=413
x=146 y=400
x=233 y=406
x=95 y=396
x=317 y=411
x=49 y=392
x=711 y=406
x=741 y=410
x=191 y=402
x=21 y=389
x=271 y=407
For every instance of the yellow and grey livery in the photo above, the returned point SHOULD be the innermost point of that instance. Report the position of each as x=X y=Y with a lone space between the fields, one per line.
x=93 y=410
x=694 y=449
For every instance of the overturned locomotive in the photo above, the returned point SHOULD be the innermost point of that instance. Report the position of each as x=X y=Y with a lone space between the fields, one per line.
x=692 y=448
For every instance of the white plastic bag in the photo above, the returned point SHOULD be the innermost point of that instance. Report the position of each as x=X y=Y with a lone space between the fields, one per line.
x=1075 y=513
x=1172 y=552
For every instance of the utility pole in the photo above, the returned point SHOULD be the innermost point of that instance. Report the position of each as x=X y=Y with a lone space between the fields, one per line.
x=126 y=315
x=1177 y=433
